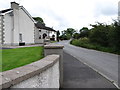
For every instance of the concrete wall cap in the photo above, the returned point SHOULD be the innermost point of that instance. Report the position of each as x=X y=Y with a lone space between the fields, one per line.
x=54 y=46
x=20 y=74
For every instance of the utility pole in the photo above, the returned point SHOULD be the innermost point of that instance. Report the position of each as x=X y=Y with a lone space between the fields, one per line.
x=119 y=10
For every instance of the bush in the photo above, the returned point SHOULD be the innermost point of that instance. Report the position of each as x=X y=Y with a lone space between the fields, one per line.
x=80 y=42
x=99 y=34
x=76 y=36
x=85 y=43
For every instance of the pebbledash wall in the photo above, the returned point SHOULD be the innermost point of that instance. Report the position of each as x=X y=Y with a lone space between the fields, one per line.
x=45 y=73
x=16 y=26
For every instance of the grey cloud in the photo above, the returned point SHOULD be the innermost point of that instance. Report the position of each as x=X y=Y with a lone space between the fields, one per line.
x=105 y=9
x=63 y=23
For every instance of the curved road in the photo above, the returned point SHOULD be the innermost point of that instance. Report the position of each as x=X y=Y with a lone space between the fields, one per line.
x=105 y=63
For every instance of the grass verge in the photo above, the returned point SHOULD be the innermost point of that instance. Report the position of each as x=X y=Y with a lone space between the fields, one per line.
x=13 y=58
x=85 y=43
x=53 y=41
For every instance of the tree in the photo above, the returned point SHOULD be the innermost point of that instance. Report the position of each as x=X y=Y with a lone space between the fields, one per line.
x=70 y=31
x=39 y=19
x=116 y=35
x=84 y=32
x=99 y=34
x=58 y=33
x=76 y=36
x=67 y=34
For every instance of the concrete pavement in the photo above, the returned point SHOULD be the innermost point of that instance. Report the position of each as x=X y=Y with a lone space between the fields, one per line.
x=12 y=47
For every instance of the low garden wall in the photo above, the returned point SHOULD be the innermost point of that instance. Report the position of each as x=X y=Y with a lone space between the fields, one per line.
x=41 y=74
x=45 y=73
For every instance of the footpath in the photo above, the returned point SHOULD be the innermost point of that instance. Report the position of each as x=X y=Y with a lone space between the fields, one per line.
x=78 y=75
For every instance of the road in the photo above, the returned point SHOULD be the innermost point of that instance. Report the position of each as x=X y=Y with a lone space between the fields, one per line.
x=78 y=75
x=104 y=63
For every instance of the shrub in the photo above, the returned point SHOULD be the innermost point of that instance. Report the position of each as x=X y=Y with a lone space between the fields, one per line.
x=85 y=43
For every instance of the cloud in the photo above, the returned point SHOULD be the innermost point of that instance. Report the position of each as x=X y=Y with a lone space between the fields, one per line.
x=62 y=14
x=105 y=8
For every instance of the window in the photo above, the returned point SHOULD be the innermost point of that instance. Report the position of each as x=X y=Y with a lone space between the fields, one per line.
x=44 y=35
x=40 y=37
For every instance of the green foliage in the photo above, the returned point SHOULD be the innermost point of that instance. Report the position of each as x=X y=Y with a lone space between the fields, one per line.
x=76 y=36
x=116 y=35
x=84 y=32
x=58 y=33
x=70 y=31
x=39 y=19
x=85 y=43
x=67 y=34
x=101 y=37
x=99 y=34
x=106 y=35
x=13 y=58
x=65 y=37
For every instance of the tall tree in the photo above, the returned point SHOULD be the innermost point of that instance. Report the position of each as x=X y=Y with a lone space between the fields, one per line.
x=70 y=31
x=84 y=32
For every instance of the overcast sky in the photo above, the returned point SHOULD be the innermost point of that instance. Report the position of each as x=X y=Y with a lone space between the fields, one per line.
x=63 y=14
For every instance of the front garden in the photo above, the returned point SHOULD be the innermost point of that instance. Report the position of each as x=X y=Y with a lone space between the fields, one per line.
x=13 y=58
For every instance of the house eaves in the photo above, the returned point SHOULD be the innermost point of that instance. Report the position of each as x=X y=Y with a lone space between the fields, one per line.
x=3 y=12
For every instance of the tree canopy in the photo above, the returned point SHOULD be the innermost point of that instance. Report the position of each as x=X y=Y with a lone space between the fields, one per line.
x=39 y=19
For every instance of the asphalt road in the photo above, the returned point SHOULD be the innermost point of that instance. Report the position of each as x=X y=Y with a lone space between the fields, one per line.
x=79 y=75
x=104 y=63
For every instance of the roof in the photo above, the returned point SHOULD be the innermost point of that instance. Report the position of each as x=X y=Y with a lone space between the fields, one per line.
x=42 y=26
x=21 y=7
x=6 y=10
x=50 y=29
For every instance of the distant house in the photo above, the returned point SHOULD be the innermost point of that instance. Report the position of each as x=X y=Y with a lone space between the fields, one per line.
x=43 y=33
x=16 y=26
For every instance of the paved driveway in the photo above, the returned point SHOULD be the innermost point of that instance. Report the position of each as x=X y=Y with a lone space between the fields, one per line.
x=104 y=63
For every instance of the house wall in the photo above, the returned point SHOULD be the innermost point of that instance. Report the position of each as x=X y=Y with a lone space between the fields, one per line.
x=26 y=27
x=53 y=33
x=40 y=33
x=17 y=23
x=23 y=25
x=1 y=29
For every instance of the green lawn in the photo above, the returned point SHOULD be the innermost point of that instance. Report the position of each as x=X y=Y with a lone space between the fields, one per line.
x=53 y=41
x=12 y=58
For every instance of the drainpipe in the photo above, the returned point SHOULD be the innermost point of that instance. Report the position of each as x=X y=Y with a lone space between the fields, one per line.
x=14 y=6
x=12 y=32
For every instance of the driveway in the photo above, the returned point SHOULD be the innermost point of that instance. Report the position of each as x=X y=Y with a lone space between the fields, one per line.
x=104 y=63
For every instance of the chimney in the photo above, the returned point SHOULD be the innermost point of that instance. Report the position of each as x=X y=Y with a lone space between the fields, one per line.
x=14 y=5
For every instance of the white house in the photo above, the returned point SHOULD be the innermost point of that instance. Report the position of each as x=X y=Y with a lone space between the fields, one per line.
x=43 y=33
x=40 y=33
x=16 y=26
